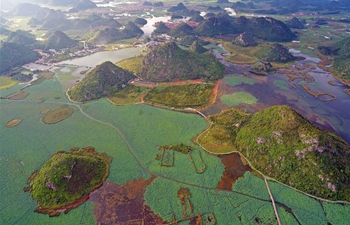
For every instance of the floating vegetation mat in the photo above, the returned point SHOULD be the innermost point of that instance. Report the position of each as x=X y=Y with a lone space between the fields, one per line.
x=13 y=123
x=237 y=80
x=238 y=98
x=44 y=111
x=17 y=95
x=57 y=115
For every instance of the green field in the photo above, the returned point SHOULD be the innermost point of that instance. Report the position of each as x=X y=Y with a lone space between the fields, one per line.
x=128 y=95
x=144 y=128
x=7 y=82
x=180 y=96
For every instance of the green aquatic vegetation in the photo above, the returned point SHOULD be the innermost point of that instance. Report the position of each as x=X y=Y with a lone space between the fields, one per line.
x=281 y=84
x=144 y=128
x=336 y=213
x=233 y=80
x=29 y=152
x=305 y=209
x=252 y=186
x=180 y=96
x=238 y=98
x=227 y=207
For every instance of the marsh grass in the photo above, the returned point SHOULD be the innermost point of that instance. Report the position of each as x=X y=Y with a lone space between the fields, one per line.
x=7 y=82
x=132 y=64
x=57 y=115
x=13 y=122
x=17 y=95
x=180 y=96
x=238 y=98
x=130 y=94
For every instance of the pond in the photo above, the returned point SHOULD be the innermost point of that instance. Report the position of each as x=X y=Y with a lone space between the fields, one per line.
x=100 y=57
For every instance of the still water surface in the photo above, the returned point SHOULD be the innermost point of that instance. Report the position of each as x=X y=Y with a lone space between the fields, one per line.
x=100 y=57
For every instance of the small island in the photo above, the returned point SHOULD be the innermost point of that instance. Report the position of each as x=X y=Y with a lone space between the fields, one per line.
x=67 y=178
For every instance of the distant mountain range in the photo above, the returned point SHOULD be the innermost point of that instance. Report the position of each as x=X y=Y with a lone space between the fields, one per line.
x=266 y=28
x=59 y=40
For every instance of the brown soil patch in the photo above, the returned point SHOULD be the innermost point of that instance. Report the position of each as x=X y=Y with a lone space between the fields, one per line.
x=17 y=95
x=13 y=123
x=44 y=111
x=234 y=169
x=123 y=204
x=46 y=74
x=181 y=82
x=57 y=115
x=214 y=96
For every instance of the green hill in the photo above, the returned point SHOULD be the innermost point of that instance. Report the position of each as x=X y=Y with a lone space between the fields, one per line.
x=140 y=21
x=169 y=63
x=102 y=81
x=266 y=28
x=26 y=9
x=340 y=53
x=275 y=53
x=295 y=23
x=196 y=18
x=110 y=35
x=34 y=22
x=181 y=30
x=244 y=40
x=21 y=37
x=161 y=29
x=178 y=7
x=283 y=145
x=197 y=47
x=57 y=24
x=107 y=23
x=13 y=55
x=59 y=40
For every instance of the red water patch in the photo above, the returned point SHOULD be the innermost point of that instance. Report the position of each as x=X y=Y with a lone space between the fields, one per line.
x=234 y=169
x=123 y=204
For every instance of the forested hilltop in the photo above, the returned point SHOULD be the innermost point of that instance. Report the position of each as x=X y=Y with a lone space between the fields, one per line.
x=283 y=145
x=102 y=81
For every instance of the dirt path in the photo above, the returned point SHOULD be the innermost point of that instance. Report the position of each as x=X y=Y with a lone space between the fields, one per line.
x=273 y=201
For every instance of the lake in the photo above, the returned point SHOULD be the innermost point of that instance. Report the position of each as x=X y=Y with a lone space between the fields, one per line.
x=149 y=27
x=100 y=57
